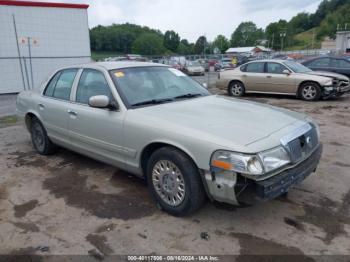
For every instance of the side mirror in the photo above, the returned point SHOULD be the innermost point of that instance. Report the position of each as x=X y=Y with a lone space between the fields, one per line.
x=99 y=101
x=285 y=71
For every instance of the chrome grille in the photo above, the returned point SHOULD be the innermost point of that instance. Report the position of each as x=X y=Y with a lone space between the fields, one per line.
x=301 y=147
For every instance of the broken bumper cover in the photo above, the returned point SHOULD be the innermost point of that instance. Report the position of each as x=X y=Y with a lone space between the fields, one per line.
x=281 y=183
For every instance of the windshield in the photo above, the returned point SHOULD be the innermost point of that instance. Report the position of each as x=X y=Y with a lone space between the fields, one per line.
x=194 y=63
x=296 y=67
x=151 y=84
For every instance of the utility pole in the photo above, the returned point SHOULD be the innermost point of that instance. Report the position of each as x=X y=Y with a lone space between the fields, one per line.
x=282 y=35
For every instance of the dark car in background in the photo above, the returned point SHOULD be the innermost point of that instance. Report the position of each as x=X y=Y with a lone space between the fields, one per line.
x=338 y=65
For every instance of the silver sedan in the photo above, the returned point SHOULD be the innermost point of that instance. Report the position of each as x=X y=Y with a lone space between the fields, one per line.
x=157 y=123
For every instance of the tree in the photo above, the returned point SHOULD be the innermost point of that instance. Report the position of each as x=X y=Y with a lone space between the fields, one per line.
x=185 y=48
x=200 y=45
x=246 y=34
x=148 y=44
x=222 y=43
x=171 y=40
x=273 y=33
x=329 y=25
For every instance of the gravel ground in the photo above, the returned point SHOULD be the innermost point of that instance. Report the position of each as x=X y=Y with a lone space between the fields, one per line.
x=69 y=204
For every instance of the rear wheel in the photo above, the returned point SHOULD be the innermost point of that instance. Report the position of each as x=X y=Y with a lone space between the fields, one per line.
x=174 y=182
x=40 y=140
x=236 y=89
x=310 y=91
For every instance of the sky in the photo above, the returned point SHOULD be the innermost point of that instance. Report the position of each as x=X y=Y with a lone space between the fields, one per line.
x=193 y=18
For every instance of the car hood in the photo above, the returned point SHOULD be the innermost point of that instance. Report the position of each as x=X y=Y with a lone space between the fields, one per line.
x=329 y=74
x=225 y=121
x=195 y=68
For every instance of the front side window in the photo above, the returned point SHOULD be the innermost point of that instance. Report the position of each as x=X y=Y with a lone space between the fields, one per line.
x=275 y=68
x=64 y=84
x=140 y=84
x=297 y=67
x=255 y=68
x=92 y=83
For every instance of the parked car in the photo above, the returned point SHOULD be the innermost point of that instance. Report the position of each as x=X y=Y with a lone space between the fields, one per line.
x=194 y=68
x=204 y=63
x=224 y=63
x=157 y=123
x=282 y=77
x=330 y=64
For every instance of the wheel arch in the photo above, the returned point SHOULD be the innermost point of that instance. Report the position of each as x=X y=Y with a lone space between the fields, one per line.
x=235 y=80
x=307 y=81
x=149 y=149
x=28 y=118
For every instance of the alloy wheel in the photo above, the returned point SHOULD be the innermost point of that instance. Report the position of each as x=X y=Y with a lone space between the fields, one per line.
x=168 y=182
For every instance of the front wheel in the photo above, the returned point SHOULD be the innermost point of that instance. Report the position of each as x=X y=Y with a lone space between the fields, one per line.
x=236 y=89
x=174 y=182
x=310 y=92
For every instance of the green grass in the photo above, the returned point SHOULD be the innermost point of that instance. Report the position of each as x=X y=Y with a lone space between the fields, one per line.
x=98 y=56
x=305 y=41
x=8 y=121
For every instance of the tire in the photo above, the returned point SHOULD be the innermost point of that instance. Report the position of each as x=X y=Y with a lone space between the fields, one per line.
x=310 y=91
x=236 y=88
x=40 y=140
x=190 y=194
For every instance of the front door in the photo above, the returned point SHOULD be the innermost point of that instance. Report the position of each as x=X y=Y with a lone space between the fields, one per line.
x=97 y=132
x=277 y=81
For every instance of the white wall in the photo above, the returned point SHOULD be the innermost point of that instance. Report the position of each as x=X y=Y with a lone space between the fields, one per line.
x=62 y=35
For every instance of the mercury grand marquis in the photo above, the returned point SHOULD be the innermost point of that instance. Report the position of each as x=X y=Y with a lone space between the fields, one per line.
x=155 y=122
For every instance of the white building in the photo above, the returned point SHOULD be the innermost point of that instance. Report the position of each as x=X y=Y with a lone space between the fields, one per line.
x=49 y=35
x=252 y=50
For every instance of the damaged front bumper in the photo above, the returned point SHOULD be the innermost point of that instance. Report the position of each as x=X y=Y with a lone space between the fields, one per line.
x=335 y=91
x=227 y=186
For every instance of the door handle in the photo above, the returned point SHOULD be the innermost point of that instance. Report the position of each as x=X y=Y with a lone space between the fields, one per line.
x=244 y=75
x=71 y=112
x=269 y=76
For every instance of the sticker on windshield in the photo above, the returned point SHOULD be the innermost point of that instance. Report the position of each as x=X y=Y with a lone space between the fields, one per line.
x=176 y=72
x=119 y=74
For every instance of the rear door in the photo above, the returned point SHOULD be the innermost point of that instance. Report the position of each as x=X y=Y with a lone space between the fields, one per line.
x=277 y=81
x=96 y=131
x=340 y=66
x=253 y=76
x=53 y=104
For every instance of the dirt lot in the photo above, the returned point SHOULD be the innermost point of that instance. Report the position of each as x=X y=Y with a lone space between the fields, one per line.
x=70 y=204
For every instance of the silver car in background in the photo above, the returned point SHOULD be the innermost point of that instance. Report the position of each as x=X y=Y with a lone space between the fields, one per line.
x=155 y=122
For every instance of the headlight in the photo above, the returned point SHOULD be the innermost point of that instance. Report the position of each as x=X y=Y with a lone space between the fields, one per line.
x=274 y=158
x=240 y=163
x=258 y=164
x=329 y=83
x=315 y=125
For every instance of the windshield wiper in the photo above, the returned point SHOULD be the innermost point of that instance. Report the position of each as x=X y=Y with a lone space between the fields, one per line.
x=187 y=96
x=153 y=102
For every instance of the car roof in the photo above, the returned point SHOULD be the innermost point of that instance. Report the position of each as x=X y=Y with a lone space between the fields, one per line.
x=268 y=60
x=115 y=65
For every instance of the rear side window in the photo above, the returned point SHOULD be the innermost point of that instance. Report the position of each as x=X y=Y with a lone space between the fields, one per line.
x=64 y=84
x=61 y=84
x=255 y=68
x=92 y=83
x=50 y=88
x=339 y=63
